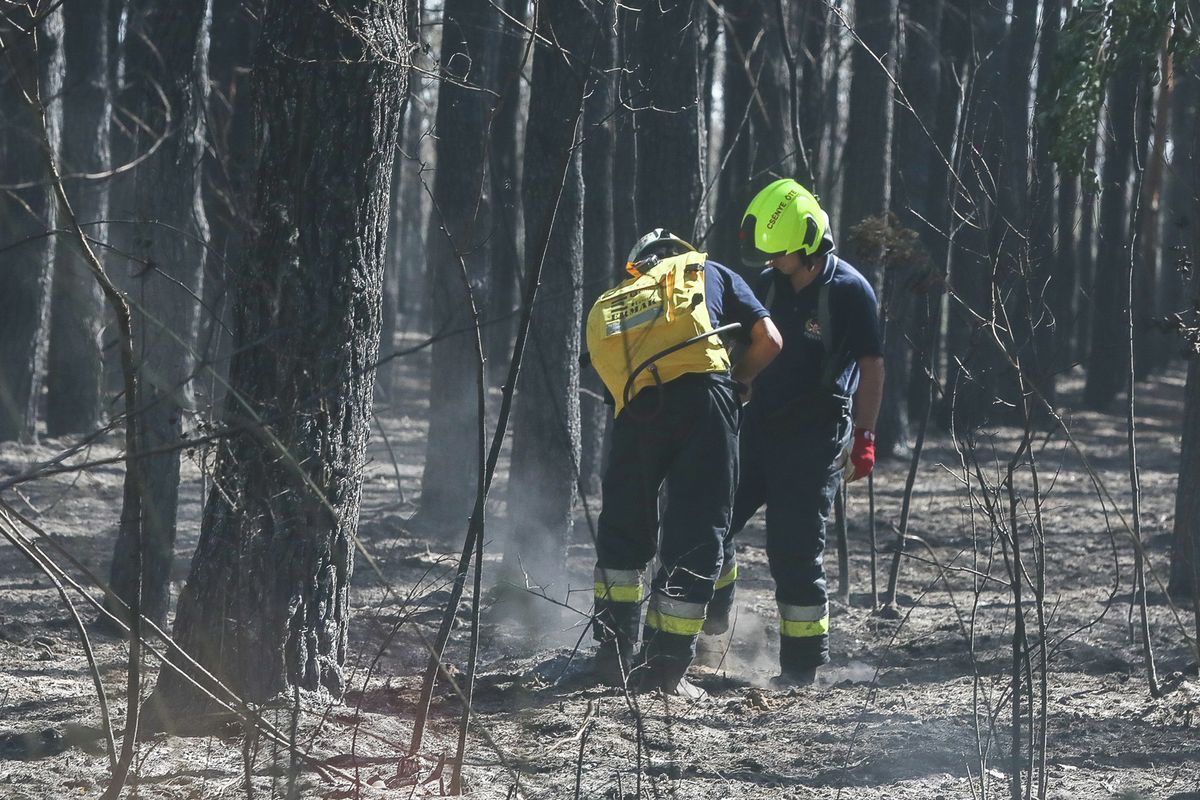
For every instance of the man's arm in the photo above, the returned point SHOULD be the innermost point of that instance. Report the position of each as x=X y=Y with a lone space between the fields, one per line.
x=765 y=344
x=870 y=392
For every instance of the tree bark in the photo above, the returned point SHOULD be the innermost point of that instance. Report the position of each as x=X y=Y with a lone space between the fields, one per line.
x=868 y=193
x=601 y=267
x=670 y=128
x=546 y=436
x=1185 y=236
x=34 y=61
x=973 y=365
x=74 y=396
x=459 y=226
x=734 y=189
x=266 y=604
x=167 y=52
x=505 y=165
x=1108 y=331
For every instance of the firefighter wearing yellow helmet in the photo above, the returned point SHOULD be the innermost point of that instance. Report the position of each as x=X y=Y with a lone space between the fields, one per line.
x=653 y=340
x=812 y=418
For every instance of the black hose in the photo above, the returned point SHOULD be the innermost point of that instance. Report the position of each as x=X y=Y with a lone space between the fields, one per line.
x=649 y=362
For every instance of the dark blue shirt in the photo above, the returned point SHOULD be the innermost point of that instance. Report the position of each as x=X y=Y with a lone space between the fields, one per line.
x=730 y=299
x=796 y=373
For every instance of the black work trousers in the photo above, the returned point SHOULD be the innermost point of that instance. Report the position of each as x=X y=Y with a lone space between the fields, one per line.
x=683 y=433
x=792 y=464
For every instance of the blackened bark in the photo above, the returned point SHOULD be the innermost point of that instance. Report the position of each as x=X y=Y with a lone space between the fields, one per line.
x=505 y=166
x=33 y=61
x=670 y=130
x=1048 y=283
x=167 y=60
x=545 y=455
x=414 y=219
x=74 y=400
x=1109 y=329
x=601 y=267
x=868 y=156
x=734 y=189
x=912 y=175
x=626 y=225
x=1183 y=239
x=775 y=147
x=266 y=603
x=867 y=193
x=972 y=362
x=459 y=227
x=229 y=169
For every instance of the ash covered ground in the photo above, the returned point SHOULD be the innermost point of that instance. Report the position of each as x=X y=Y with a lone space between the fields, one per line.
x=912 y=707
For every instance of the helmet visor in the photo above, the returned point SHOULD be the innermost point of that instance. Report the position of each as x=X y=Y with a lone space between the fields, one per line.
x=751 y=255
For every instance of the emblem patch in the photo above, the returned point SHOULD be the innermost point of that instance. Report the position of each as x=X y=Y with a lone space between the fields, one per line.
x=812 y=330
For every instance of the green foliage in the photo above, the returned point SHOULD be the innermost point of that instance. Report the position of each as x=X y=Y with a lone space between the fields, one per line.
x=1099 y=38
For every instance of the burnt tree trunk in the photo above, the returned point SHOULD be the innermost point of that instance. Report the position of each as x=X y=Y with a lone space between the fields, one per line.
x=1049 y=275
x=1109 y=328
x=505 y=166
x=912 y=175
x=546 y=444
x=734 y=188
x=1185 y=241
x=670 y=128
x=601 y=267
x=33 y=64
x=868 y=193
x=459 y=226
x=74 y=396
x=228 y=183
x=972 y=362
x=167 y=67
x=266 y=603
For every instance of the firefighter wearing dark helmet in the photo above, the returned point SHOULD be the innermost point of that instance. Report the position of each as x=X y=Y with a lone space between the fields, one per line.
x=653 y=341
x=811 y=421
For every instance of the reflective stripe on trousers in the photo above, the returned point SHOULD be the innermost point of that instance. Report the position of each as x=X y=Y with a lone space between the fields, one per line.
x=675 y=616
x=619 y=585
x=727 y=577
x=800 y=622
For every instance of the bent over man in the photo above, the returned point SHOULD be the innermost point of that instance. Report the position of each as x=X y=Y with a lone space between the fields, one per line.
x=818 y=399
x=652 y=339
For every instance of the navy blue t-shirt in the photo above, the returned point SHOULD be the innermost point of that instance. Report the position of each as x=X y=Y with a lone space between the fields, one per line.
x=730 y=299
x=796 y=372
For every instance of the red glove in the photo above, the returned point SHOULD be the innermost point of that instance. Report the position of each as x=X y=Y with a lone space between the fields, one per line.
x=862 y=456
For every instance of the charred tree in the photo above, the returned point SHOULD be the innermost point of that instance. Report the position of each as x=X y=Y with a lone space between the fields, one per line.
x=229 y=169
x=1108 y=341
x=601 y=262
x=546 y=437
x=167 y=69
x=867 y=192
x=505 y=166
x=33 y=61
x=734 y=190
x=668 y=83
x=266 y=606
x=459 y=226
x=972 y=363
x=74 y=377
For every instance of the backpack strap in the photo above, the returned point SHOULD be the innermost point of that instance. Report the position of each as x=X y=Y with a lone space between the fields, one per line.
x=825 y=320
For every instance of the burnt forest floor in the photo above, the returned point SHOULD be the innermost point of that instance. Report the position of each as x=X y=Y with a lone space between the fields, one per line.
x=912 y=707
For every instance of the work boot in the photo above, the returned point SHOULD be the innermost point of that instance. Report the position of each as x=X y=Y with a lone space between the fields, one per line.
x=712 y=650
x=715 y=625
x=794 y=679
x=611 y=665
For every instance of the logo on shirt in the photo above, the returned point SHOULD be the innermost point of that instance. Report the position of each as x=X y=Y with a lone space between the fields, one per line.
x=812 y=330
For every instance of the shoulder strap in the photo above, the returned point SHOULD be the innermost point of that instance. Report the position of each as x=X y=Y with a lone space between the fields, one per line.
x=769 y=300
x=825 y=320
